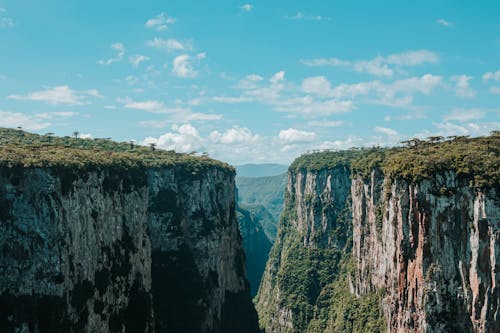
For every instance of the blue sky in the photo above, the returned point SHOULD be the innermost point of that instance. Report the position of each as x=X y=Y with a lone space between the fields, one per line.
x=258 y=81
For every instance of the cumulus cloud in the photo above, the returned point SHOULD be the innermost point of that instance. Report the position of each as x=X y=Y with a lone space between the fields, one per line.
x=169 y=45
x=60 y=95
x=160 y=22
x=317 y=85
x=494 y=76
x=462 y=87
x=120 y=53
x=235 y=135
x=184 y=65
x=184 y=138
x=293 y=135
x=379 y=66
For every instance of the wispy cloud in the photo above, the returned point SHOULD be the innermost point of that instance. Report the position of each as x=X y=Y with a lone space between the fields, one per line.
x=495 y=90
x=308 y=17
x=5 y=22
x=160 y=22
x=247 y=7
x=60 y=95
x=464 y=115
x=169 y=45
x=34 y=122
x=120 y=53
x=386 y=131
x=136 y=60
x=184 y=65
x=379 y=66
x=444 y=23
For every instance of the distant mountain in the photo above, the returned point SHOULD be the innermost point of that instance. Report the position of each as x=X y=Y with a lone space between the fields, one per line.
x=260 y=170
x=266 y=192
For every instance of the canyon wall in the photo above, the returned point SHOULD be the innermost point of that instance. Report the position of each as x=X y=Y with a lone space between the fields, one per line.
x=108 y=249
x=362 y=250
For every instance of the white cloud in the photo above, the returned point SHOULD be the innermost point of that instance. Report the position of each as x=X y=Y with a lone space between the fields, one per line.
x=462 y=87
x=293 y=135
x=137 y=59
x=160 y=22
x=34 y=122
x=444 y=23
x=464 y=115
x=176 y=114
x=231 y=100
x=247 y=7
x=15 y=119
x=184 y=138
x=325 y=62
x=317 y=85
x=495 y=90
x=308 y=17
x=495 y=76
x=85 y=136
x=6 y=22
x=120 y=52
x=59 y=95
x=183 y=65
x=169 y=45
x=380 y=66
x=386 y=131
x=149 y=106
x=326 y=123
x=235 y=135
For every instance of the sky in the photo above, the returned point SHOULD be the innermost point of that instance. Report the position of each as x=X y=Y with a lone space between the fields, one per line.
x=251 y=82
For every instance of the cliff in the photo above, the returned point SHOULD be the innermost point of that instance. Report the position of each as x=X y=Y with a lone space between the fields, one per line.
x=256 y=246
x=98 y=236
x=396 y=240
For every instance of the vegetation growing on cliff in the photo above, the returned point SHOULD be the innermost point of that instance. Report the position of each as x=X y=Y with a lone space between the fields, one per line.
x=477 y=159
x=20 y=148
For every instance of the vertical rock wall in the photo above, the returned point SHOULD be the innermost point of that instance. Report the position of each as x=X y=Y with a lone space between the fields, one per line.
x=121 y=251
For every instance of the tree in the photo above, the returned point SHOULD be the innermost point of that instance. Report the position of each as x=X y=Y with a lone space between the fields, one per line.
x=153 y=146
x=132 y=144
x=435 y=139
x=75 y=134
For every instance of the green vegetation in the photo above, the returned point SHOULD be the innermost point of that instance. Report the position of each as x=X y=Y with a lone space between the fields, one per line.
x=24 y=149
x=476 y=159
x=263 y=196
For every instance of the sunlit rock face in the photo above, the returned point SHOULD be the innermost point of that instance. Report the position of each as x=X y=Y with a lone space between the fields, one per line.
x=429 y=249
x=434 y=247
x=150 y=250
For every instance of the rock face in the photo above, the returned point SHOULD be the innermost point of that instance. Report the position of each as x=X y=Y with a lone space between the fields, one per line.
x=434 y=247
x=105 y=250
x=256 y=246
x=414 y=257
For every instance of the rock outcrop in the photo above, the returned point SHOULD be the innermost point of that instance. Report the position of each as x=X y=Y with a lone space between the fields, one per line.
x=371 y=244
x=105 y=249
